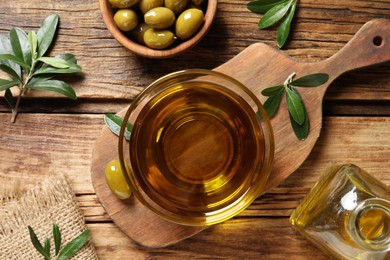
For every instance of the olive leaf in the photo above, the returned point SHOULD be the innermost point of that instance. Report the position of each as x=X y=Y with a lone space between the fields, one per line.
x=71 y=62
x=312 y=80
x=295 y=105
x=21 y=57
x=55 y=62
x=263 y=6
x=271 y=90
x=61 y=254
x=5 y=48
x=38 y=246
x=272 y=104
x=13 y=74
x=114 y=123
x=274 y=11
x=73 y=246
x=46 y=33
x=57 y=238
x=274 y=14
x=301 y=130
x=33 y=42
x=6 y=84
x=284 y=27
x=57 y=86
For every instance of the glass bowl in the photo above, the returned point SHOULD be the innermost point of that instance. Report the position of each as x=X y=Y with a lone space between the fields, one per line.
x=201 y=147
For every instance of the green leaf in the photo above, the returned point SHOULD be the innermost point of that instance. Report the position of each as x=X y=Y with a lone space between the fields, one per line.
x=5 y=48
x=15 y=44
x=114 y=123
x=295 y=106
x=312 y=80
x=57 y=238
x=6 y=84
x=272 y=104
x=73 y=246
x=10 y=98
x=46 y=33
x=15 y=59
x=263 y=6
x=38 y=246
x=69 y=58
x=274 y=14
x=20 y=45
x=284 y=27
x=301 y=131
x=10 y=71
x=33 y=42
x=271 y=90
x=57 y=86
x=55 y=62
x=51 y=70
x=46 y=246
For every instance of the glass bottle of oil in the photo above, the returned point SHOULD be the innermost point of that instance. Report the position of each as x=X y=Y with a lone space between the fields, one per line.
x=347 y=214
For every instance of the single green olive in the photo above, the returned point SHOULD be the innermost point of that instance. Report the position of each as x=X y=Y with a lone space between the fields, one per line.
x=146 y=5
x=159 y=17
x=138 y=33
x=188 y=23
x=177 y=6
x=123 y=3
x=116 y=181
x=126 y=19
x=158 y=38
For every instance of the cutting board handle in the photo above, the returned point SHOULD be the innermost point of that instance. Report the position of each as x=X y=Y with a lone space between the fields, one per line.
x=369 y=46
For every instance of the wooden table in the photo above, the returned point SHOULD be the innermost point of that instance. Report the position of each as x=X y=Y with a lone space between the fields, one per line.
x=55 y=134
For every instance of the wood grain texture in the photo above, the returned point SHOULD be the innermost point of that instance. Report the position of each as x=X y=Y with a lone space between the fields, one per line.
x=54 y=134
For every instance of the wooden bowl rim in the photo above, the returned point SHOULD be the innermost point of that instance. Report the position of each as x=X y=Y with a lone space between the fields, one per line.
x=108 y=17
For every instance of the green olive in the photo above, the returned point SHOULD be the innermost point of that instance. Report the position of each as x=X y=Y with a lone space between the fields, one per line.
x=146 y=5
x=138 y=33
x=188 y=23
x=177 y=6
x=116 y=181
x=123 y=3
x=126 y=19
x=160 y=17
x=158 y=39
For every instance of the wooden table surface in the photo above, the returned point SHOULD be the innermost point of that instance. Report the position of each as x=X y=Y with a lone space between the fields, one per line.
x=54 y=134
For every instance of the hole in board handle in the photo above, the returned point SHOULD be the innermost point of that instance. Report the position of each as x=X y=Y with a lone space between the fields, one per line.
x=377 y=41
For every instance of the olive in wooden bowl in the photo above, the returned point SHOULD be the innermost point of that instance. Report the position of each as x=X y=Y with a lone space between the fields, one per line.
x=160 y=28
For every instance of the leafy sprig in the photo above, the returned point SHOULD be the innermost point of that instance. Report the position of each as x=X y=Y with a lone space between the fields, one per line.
x=295 y=105
x=60 y=254
x=274 y=11
x=21 y=57
x=114 y=123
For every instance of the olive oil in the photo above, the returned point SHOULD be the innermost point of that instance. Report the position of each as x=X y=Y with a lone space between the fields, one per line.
x=347 y=214
x=196 y=148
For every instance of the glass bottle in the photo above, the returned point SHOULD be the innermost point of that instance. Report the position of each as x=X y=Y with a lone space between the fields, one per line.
x=347 y=214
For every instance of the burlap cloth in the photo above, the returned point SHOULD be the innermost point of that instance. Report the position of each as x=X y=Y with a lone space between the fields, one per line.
x=53 y=201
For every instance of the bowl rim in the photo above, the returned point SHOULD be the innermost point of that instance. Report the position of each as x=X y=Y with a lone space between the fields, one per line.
x=239 y=205
x=142 y=50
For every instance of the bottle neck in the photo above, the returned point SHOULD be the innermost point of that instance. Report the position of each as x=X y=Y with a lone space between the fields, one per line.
x=369 y=224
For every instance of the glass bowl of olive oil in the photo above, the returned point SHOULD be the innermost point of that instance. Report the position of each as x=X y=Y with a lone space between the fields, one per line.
x=201 y=147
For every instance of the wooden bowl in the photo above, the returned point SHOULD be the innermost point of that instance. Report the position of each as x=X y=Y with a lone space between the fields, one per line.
x=142 y=50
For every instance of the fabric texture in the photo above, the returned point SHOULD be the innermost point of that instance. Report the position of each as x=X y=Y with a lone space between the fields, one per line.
x=53 y=201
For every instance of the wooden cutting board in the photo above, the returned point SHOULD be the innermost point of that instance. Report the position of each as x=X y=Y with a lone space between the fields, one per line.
x=257 y=67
